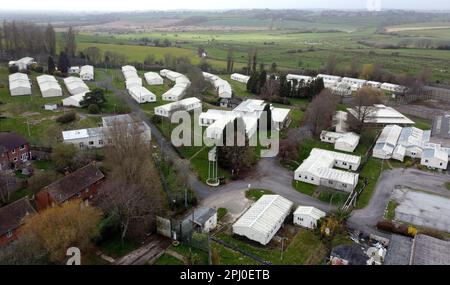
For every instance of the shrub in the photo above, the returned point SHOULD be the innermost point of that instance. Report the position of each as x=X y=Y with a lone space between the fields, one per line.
x=93 y=109
x=386 y=225
x=412 y=231
x=156 y=120
x=66 y=118
x=13 y=69
x=57 y=73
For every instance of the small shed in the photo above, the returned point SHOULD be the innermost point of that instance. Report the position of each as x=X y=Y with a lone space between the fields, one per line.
x=240 y=78
x=87 y=73
x=133 y=82
x=203 y=219
x=50 y=107
x=307 y=217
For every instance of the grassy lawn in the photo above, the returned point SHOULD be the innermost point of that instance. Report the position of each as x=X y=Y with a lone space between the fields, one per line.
x=390 y=210
x=447 y=185
x=256 y=194
x=221 y=212
x=167 y=259
x=303 y=248
x=331 y=196
x=115 y=248
x=372 y=171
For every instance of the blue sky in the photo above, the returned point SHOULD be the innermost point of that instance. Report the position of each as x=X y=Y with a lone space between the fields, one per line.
x=129 y=5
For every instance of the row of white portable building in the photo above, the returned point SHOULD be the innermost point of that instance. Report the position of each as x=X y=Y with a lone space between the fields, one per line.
x=265 y=217
x=99 y=137
x=134 y=86
x=222 y=87
x=397 y=143
x=178 y=91
x=347 y=84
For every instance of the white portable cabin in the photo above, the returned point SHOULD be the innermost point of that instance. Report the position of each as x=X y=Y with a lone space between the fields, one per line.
x=133 y=82
x=172 y=75
x=75 y=85
x=74 y=70
x=342 y=141
x=307 y=217
x=23 y=63
x=142 y=95
x=127 y=68
x=129 y=74
x=355 y=83
x=49 y=86
x=163 y=72
x=435 y=158
x=318 y=169
x=153 y=78
x=330 y=81
x=240 y=78
x=87 y=73
x=299 y=78
x=85 y=138
x=387 y=141
x=19 y=84
x=280 y=117
x=182 y=81
x=188 y=104
x=348 y=142
x=50 y=107
x=263 y=220
x=393 y=87
x=174 y=94
x=374 y=84
x=73 y=101
x=20 y=88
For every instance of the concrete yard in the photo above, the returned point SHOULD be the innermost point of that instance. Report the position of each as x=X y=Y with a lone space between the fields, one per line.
x=422 y=209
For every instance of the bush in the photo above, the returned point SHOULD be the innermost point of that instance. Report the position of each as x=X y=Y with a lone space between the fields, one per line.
x=13 y=69
x=156 y=120
x=386 y=225
x=57 y=73
x=66 y=118
x=93 y=109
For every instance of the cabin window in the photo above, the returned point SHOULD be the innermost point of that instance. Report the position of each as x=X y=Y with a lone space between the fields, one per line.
x=91 y=143
x=100 y=142
x=426 y=160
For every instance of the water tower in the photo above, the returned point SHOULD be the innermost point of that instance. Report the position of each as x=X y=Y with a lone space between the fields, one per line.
x=212 y=180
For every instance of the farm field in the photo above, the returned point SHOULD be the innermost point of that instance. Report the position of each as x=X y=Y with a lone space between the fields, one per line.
x=290 y=49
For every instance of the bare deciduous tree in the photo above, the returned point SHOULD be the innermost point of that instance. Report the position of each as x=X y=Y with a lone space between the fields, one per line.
x=133 y=194
x=362 y=104
x=319 y=115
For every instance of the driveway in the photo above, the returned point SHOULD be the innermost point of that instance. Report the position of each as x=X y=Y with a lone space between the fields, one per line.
x=366 y=219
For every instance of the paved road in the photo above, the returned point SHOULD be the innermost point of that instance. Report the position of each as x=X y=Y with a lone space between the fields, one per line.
x=366 y=219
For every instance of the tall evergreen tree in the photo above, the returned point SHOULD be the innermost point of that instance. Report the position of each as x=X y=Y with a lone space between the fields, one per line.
x=51 y=65
x=63 y=62
x=238 y=159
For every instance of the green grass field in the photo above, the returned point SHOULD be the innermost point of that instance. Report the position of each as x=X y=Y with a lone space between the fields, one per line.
x=293 y=49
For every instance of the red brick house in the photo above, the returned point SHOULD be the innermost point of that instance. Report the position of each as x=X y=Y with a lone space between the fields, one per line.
x=82 y=184
x=12 y=217
x=14 y=150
